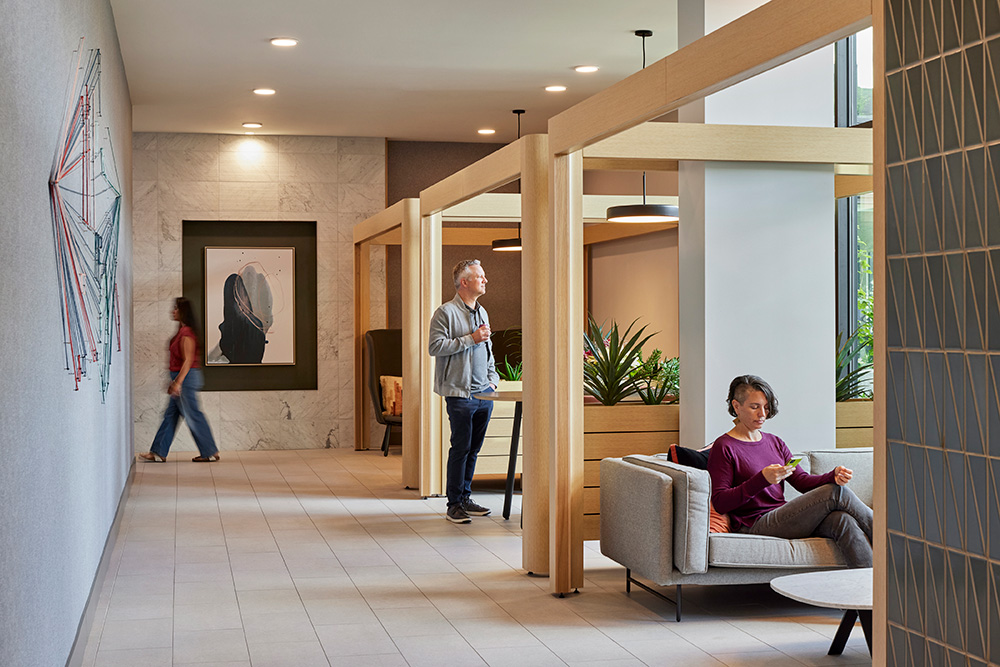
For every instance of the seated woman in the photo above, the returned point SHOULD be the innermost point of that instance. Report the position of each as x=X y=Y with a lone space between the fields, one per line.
x=748 y=467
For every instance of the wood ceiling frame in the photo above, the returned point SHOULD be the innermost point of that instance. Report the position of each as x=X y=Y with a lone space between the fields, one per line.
x=771 y=35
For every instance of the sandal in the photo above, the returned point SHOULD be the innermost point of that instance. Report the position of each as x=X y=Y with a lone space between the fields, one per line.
x=206 y=459
x=152 y=457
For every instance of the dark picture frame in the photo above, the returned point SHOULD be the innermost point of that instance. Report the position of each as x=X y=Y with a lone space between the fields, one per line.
x=300 y=235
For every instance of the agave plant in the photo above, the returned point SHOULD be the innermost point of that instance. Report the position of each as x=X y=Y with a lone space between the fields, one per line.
x=851 y=383
x=608 y=360
x=508 y=372
x=655 y=379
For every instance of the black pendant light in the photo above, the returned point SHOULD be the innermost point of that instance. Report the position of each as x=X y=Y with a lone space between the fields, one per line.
x=643 y=212
x=512 y=245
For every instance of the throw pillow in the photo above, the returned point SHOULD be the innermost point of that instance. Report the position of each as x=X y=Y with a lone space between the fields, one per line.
x=698 y=458
x=392 y=394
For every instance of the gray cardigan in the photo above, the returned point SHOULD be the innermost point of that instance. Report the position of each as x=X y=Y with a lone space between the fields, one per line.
x=451 y=343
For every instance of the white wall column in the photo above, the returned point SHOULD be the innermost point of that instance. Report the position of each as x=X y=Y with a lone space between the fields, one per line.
x=756 y=245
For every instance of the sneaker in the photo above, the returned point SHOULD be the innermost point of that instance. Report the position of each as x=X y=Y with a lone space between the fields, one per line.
x=457 y=515
x=472 y=509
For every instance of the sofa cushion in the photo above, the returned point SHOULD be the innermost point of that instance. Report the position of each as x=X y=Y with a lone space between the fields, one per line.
x=692 y=491
x=758 y=551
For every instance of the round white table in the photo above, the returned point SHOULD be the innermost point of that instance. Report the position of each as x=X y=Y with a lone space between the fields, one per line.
x=850 y=590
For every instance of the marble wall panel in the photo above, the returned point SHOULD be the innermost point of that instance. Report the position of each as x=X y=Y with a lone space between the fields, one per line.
x=144 y=165
x=255 y=197
x=249 y=166
x=310 y=144
x=144 y=141
x=258 y=178
x=187 y=166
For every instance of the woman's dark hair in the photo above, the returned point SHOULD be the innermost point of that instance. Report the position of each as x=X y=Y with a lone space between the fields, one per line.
x=186 y=314
x=743 y=385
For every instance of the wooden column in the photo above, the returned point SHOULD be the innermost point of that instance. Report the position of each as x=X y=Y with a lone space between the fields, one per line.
x=565 y=388
x=412 y=395
x=536 y=323
x=431 y=482
x=362 y=309
x=880 y=546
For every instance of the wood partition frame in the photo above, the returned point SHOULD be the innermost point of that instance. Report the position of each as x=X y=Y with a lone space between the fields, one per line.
x=403 y=216
x=771 y=35
x=527 y=159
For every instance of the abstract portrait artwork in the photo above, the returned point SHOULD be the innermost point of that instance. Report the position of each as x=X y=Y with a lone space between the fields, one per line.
x=86 y=204
x=249 y=306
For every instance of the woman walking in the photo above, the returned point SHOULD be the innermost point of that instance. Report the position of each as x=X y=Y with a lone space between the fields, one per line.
x=186 y=382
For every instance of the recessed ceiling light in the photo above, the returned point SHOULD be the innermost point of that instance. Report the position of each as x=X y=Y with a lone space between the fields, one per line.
x=586 y=69
x=487 y=130
x=555 y=89
x=252 y=125
x=284 y=41
x=264 y=91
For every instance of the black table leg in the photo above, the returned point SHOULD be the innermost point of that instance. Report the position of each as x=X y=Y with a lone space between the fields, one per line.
x=866 y=624
x=512 y=465
x=844 y=631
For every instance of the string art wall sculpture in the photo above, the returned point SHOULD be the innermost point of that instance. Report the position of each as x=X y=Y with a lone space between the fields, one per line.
x=86 y=219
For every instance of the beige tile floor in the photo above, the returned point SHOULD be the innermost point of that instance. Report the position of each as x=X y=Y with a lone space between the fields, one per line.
x=318 y=557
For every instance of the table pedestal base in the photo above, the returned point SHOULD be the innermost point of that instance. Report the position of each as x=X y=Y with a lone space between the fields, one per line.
x=847 y=625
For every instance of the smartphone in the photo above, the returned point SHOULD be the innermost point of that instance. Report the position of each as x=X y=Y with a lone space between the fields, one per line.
x=794 y=462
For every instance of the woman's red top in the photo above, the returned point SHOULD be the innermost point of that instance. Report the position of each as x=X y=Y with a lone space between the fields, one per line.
x=177 y=352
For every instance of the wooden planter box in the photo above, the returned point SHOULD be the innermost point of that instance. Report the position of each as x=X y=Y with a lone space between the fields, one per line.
x=620 y=430
x=855 y=423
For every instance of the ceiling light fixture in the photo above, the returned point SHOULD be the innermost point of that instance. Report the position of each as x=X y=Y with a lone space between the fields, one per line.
x=264 y=91
x=487 y=130
x=586 y=69
x=512 y=245
x=252 y=126
x=284 y=41
x=555 y=89
x=643 y=212
x=249 y=133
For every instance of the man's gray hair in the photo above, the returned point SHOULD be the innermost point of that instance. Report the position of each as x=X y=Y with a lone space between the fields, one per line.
x=461 y=269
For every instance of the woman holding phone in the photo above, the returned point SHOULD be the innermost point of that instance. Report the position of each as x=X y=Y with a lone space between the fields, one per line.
x=748 y=468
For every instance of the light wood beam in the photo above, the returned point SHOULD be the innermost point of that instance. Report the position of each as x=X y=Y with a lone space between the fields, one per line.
x=457 y=235
x=362 y=308
x=848 y=185
x=484 y=175
x=431 y=483
x=610 y=231
x=566 y=375
x=536 y=323
x=410 y=268
x=771 y=35
x=736 y=143
x=390 y=218
x=627 y=164
x=880 y=546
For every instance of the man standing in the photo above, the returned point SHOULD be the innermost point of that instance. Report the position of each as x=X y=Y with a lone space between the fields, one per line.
x=460 y=341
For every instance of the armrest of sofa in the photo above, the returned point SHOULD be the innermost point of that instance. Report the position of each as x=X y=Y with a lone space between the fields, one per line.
x=637 y=518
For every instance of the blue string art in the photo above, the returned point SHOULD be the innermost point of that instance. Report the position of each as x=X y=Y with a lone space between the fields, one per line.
x=86 y=204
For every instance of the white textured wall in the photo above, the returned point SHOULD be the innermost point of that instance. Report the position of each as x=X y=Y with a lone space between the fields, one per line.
x=335 y=181
x=757 y=272
x=65 y=455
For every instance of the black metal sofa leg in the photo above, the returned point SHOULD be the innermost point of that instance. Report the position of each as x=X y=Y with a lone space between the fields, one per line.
x=629 y=580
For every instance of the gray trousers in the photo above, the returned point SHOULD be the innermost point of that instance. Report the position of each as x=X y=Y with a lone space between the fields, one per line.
x=831 y=511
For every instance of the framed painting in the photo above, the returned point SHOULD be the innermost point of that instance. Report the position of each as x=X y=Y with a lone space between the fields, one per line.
x=249 y=306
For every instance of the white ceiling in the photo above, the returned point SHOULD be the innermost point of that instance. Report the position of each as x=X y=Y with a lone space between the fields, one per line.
x=432 y=70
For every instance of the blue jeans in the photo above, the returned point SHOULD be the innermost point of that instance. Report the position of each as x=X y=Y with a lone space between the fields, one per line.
x=830 y=511
x=185 y=405
x=469 y=418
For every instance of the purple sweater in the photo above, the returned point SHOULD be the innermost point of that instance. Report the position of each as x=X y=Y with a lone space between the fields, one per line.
x=739 y=488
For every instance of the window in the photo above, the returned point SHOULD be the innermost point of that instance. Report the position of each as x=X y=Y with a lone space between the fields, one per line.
x=855 y=288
